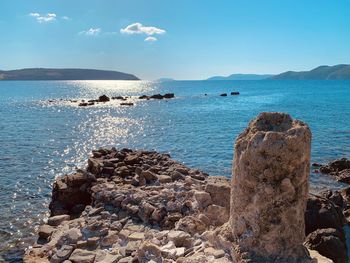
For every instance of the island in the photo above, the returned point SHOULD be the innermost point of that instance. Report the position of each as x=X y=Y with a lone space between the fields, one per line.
x=339 y=72
x=242 y=77
x=64 y=74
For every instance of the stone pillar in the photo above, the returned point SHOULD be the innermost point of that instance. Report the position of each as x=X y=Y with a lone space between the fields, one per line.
x=270 y=188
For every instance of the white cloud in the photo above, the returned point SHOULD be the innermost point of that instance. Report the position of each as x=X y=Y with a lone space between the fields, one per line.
x=34 y=14
x=151 y=39
x=65 y=17
x=138 y=28
x=91 y=32
x=49 y=17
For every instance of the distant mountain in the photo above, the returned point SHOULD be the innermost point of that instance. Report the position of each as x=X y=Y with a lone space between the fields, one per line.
x=242 y=77
x=321 y=72
x=165 y=79
x=64 y=74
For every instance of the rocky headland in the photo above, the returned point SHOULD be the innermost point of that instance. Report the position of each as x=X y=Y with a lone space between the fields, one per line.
x=142 y=206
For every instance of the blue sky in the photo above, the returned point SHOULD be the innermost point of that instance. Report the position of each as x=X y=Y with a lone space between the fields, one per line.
x=185 y=39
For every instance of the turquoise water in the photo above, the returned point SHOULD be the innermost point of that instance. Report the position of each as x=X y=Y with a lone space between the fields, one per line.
x=40 y=140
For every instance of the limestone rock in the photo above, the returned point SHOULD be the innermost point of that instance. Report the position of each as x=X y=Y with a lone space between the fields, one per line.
x=270 y=187
x=56 y=220
x=45 y=231
x=62 y=254
x=82 y=256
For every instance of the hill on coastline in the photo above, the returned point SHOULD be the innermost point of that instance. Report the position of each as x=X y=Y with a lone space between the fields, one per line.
x=320 y=73
x=64 y=74
x=242 y=77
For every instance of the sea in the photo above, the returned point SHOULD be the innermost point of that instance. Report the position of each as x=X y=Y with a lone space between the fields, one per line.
x=44 y=135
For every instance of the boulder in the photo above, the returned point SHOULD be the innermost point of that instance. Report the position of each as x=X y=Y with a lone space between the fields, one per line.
x=322 y=213
x=330 y=243
x=103 y=98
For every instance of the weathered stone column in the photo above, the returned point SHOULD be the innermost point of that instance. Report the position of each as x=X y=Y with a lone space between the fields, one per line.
x=270 y=189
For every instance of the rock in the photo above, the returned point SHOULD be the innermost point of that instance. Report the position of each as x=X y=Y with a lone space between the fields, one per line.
x=335 y=197
x=180 y=238
x=45 y=231
x=148 y=175
x=191 y=224
x=70 y=237
x=57 y=220
x=108 y=170
x=234 y=93
x=103 y=98
x=62 y=254
x=83 y=104
x=123 y=171
x=127 y=104
x=344 y=176
x=94 y=166
x=322 y=213
x=340 y=169
x=144 y=97
x=169 y=95
x=118 y=98
x=164 y=179
x=132 y=159
x=82 y=256
x=217 y=253
x=203 y=198
x=176 y=176
x=220 y=190
x=319 y=258
x=157 y=96
x=136 y=236
x=109 y=258
x=217 y=215
x=329 y=242
x=171 y=251
x=223 y=95
x=109 y=240
x=270 y=187
x=148 y=252
x=336 y=166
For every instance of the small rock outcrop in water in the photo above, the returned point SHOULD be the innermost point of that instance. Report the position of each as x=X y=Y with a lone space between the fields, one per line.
x=340 y=169
x=270 y=188
x=103 y=98
x=234 y=93
x=158 y=96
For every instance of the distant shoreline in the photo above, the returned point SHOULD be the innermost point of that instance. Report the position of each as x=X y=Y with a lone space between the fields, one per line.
x=64 y=74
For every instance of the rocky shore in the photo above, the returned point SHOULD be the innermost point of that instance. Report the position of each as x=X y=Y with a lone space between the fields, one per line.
x=141 y=206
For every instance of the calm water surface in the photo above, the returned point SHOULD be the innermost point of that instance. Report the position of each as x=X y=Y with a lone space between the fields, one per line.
x=41 y=140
